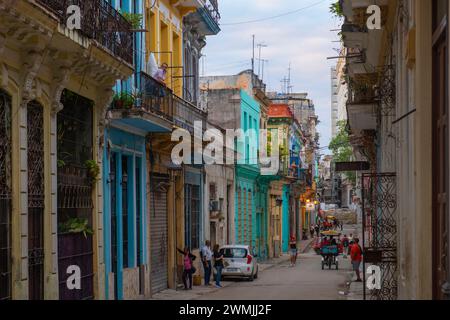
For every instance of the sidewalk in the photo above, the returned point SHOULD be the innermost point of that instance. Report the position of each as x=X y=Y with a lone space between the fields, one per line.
x=199 y=291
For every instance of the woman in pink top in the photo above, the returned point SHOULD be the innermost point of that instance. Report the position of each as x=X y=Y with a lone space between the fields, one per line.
x=188 y=267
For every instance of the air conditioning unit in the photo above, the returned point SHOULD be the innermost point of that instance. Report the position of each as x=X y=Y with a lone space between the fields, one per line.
x=214 y=206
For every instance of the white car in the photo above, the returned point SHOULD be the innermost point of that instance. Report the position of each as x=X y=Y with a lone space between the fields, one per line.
x=239 y=262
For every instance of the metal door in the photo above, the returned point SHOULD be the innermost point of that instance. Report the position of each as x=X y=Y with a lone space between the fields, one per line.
x=35 y=154
x=158 y=235
x=5 y=196
x=380 y=232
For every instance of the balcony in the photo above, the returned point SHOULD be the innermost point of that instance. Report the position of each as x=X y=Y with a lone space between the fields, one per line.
x=155 y=108
x=185 y=114
x=99 y=22
x=354 y=37
x=149 y=109
x=206 y=18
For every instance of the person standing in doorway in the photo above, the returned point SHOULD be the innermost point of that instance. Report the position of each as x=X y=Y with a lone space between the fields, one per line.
x=218 y=265
x=206 y=255
x=356 y=256
x=188 y=267
x=311 y=231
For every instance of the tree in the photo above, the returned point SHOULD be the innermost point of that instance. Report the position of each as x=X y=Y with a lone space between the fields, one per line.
x=342 y=149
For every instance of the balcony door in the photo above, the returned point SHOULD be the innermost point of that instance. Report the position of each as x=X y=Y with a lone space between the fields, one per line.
x=440 y=149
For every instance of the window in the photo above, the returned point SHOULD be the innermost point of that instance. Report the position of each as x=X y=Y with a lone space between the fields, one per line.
x=192 y=216
x=138 y=213
x=75 y=200
x=237 y=253
x=125 y=197
x=212 y=191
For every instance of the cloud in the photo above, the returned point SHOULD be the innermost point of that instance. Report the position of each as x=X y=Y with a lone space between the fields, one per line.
x=303 y=39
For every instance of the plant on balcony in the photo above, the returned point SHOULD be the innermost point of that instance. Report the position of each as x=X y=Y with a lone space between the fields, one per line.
x=93 y=170
x=336 y=9
x=135 y=19
x=123 y=100
x=75 y=226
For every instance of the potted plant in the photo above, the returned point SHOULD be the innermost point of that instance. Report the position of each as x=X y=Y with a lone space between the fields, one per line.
x=93 y=170
x=135 y=19
x=76 y=226
x=123 y=100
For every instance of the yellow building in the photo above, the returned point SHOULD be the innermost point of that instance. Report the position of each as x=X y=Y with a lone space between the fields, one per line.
x=168 y=206
x=55 y=84
x=164 y=38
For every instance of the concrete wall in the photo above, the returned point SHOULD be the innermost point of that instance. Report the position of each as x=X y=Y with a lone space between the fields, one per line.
x=222 y=177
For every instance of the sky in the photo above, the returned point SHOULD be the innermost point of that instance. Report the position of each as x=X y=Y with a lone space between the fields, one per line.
x=303 y=39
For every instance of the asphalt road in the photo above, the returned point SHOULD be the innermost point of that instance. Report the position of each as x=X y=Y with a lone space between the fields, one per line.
x=305 y=281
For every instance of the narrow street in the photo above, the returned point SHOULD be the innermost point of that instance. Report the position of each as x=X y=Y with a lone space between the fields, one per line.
x=278 y=281
x=306 y=281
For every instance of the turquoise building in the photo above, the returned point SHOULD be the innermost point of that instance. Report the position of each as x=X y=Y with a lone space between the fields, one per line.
x=129 y=121
x=248 y=222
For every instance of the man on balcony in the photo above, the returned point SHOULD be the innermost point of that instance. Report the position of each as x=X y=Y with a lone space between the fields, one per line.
x=161 y=74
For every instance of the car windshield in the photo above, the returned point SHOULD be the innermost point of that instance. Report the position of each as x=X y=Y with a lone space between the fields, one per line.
x=234 y=253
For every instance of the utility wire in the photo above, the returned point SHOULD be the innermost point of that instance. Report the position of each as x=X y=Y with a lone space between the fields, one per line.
x=273 y=17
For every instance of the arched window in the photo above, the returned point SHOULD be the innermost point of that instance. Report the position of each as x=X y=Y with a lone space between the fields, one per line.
x=5 y=195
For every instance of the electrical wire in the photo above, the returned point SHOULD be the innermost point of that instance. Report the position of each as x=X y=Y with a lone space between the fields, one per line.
x=274 y=17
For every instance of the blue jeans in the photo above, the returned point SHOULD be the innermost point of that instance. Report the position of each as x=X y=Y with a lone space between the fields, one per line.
x=218 y=274
x=207 y=268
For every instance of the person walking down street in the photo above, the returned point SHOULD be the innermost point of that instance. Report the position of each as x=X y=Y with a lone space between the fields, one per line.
x=350 y=243
x=206 y=255
x=317 y=228
x=188 y=267
x=311 y=231
x=345 y=244
x=356 y=256
x=218 y=265
x=293 y=251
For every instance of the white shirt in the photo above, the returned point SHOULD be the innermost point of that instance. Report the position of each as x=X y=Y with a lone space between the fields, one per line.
x=207 y=253
x=160 y=75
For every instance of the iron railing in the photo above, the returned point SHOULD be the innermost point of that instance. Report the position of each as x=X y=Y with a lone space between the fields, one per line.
x=185 y=114
x=155 y=97
x=100 y=22
x=212 y=8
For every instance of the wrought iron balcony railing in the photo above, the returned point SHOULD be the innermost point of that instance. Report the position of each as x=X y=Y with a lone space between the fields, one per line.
x=156 y=97
x=185 y=114
x=100 y=22
x=213 y=9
